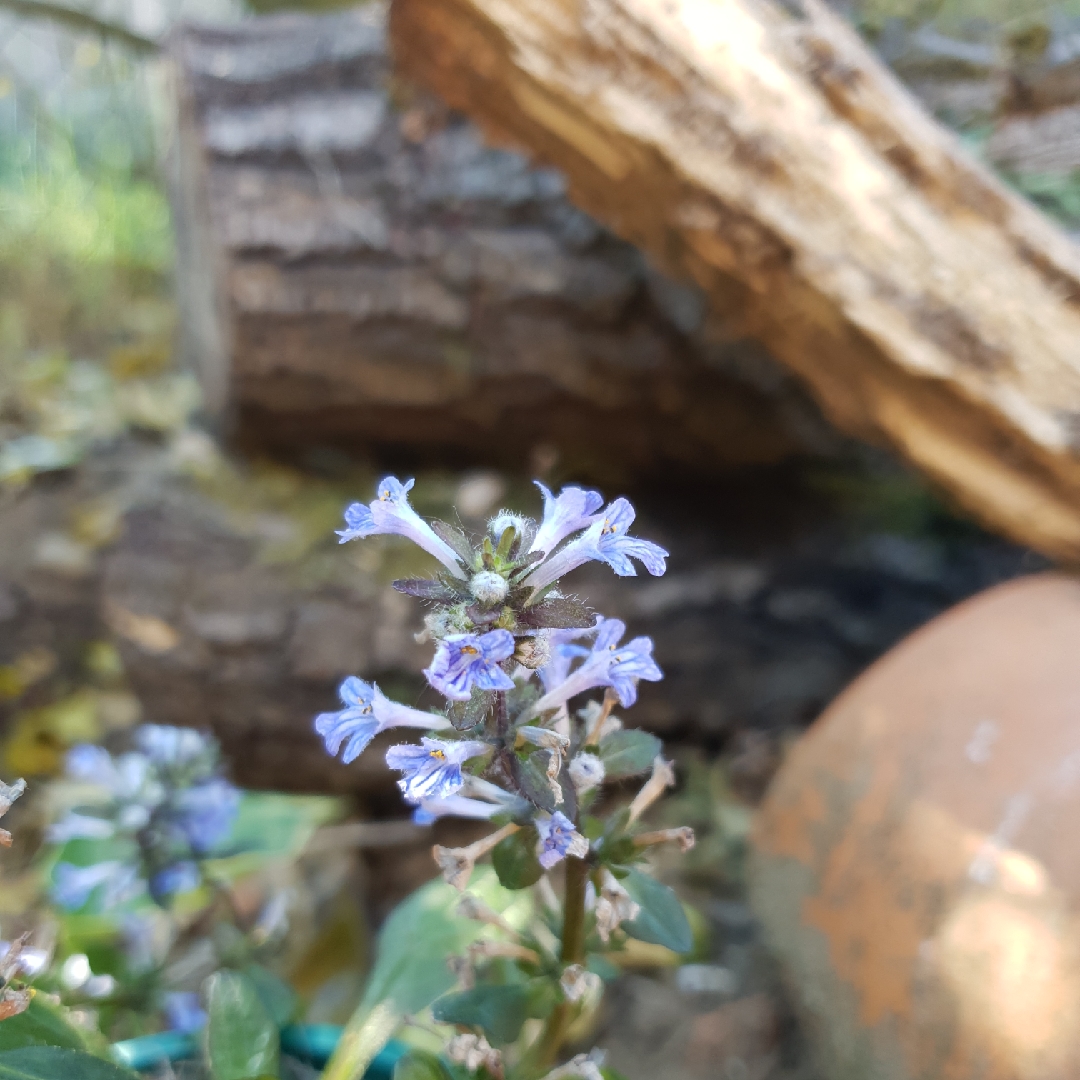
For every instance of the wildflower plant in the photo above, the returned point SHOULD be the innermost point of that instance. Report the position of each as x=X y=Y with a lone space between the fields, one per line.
x=156 y=813
x=142 y=867
x=518 y=743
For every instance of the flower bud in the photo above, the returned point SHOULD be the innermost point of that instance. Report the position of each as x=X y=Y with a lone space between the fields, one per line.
x=504 y=520
x=488 y=587
x=586 y=772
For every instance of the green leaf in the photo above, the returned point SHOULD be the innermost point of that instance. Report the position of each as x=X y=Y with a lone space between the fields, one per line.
x=467 y=714
x=628 y=753
x=40 y=1025
x=268 y=826
x=532 y=779
x=662 y=920
x=410 y=972
x=515 y=859
x=57 y=1063
x=499 y=1011
x=425 y=589
x=241 y=1037
x=456 y=539
x=276 y=994
x=506 y=541
x=559 y=613
x=420 y=1065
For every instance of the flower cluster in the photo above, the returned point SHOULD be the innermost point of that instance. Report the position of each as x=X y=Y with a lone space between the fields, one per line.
x=155 y=812
x=497 y=617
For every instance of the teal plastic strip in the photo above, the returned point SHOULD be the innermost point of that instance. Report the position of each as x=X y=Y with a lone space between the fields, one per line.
x=313 y=1043
x=149 y=1050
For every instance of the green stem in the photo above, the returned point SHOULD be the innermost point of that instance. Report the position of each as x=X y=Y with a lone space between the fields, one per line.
x=545 y=1051
x=573 y=941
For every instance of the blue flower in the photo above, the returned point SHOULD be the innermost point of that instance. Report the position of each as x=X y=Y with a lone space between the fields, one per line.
x=608 y=540
x=390 y=514
x=205 y=813
x=180 y=877
x=477 y=798
x=573 y=510
x=559 y=838
x=432 y=769
x=367 y=712
x=463 y=661
x=171 y=746
x=127 y=778
x=73 y=885
x=183 y=1012
x=88 y=762
x=606 y=664
x=563 y=654
x=430 y=810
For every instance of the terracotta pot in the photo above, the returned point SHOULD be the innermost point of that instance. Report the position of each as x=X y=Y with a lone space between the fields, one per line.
x=916 y=861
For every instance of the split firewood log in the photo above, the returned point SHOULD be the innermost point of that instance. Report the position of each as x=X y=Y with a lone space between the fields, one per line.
x=761 y=150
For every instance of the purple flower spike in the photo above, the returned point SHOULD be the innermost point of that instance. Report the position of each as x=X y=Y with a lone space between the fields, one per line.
x=573 y=510
x=607 y=540
x=389 y=514
x=607 y=664
x=463 y=661
x=559 y=838
x=432 y=769
x=367 y=712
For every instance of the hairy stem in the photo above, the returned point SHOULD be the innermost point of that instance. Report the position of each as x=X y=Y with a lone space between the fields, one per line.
x=502 y=716
x=545 y=1051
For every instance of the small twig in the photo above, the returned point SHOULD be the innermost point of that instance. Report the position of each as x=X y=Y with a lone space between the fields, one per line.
x=683 y=836
x=610 y=697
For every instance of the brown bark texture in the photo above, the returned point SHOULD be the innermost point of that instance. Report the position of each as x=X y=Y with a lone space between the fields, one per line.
x=357 y=267
x=763 y=152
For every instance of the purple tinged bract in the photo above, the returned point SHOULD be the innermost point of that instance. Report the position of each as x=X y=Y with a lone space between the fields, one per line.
x=368 y=711
x=465 y=661
x=390 y=514
x=432 y=770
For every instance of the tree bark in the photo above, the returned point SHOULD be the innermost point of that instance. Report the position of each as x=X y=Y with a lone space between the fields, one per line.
x=761 y=151
x=356 y=267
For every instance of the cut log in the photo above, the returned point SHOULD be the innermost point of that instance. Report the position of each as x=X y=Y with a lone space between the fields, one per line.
x=764 y=153
x=356 y=267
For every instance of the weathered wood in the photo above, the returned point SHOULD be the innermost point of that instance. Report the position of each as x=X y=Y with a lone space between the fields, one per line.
x=357 y=267
x=763 y=152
